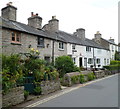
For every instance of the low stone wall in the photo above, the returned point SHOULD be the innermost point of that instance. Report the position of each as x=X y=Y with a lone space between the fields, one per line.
x=13 y=97
x=99 y=74
x=67 y=78
x=50 y=86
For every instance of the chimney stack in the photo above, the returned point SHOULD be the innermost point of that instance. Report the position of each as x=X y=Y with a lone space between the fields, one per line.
x=35 y=21
x=111 y=40
x=53 y=24
x=9 y=12
x=80 y=33
x=97 y=37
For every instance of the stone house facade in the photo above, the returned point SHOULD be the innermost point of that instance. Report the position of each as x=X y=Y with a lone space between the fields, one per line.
x=19 y=38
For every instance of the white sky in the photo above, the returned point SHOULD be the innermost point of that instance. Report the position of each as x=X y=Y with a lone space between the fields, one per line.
x=92 y=15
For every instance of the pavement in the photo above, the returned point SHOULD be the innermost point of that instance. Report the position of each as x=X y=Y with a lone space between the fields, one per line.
x=37 y=100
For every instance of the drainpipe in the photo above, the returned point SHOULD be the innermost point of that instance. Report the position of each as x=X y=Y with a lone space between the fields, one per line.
x=53 y=51
x=94 y=62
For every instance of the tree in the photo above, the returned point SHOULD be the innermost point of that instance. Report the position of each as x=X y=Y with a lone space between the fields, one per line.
x=64 y=64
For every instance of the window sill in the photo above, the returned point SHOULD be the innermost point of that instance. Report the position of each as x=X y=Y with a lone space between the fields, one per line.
x=40 y=46
x=61 y=49
x=15 y=43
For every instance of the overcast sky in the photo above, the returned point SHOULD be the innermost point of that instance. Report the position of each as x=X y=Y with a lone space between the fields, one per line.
x=92 y=15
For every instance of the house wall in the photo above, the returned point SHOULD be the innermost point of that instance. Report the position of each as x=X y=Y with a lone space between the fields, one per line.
x=113 y=49
x=82 y=53
x=26 y=40
x=59 y=52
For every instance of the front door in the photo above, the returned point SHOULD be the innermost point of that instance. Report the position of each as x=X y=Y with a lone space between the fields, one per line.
x=80 y=62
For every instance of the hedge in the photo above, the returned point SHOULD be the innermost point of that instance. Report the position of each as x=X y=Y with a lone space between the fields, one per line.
x=112 y=67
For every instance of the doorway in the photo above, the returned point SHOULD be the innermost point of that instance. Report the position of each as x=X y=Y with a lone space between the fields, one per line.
x=80 y=62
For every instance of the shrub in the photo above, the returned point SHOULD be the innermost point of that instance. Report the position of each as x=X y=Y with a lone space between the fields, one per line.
x=75 y=79
x=11 y=71
x=114 y=62
x=90 y=76
x=37 y=90
x=112 y=67
x=26 y=94
x=76 y=69
x=82 y=78
x=64 y=64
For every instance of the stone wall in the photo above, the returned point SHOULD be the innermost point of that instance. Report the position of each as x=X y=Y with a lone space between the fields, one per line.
x=26 y=41
x=50 y=86
x=100 y=74
x=67 y=78
x=13 y=97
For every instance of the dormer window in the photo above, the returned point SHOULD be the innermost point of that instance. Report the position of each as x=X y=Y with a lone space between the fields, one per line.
x=16 y=37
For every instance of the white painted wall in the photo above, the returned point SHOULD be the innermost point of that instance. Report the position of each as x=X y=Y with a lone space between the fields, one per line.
x=113 y=48
x=81 y=52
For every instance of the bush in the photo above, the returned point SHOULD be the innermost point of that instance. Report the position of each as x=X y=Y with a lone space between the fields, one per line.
x=82 y=78
x=114 y=62
x=112 y=67
x=37 y=90
x=75 y=79
x=11 y=72
x=64 y=64
x=26 y=94
x=76 y=69
x=90 y=76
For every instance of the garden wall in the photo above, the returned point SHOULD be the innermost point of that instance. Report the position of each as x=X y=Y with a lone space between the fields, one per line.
x=13 y=97
x=67 y=78
x=50 y=86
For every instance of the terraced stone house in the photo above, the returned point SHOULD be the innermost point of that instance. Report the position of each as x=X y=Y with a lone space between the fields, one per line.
x=52 y=42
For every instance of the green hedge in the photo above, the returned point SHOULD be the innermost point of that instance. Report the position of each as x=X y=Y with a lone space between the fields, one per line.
x=112 y=67
x=113 y=62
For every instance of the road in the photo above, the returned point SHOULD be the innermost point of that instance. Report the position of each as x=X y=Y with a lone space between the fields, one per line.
x=103 y=93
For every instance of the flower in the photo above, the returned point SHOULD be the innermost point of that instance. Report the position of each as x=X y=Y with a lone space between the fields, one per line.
x=32 y=49
x=37 y=51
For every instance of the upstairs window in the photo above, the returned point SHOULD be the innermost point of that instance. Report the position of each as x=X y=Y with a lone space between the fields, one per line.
x=88 y=49
x=16 y=37
x=40 y=41
x=61 y=45
x=73 y=46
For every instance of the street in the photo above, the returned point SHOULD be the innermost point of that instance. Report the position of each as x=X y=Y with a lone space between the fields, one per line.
x=103 y=93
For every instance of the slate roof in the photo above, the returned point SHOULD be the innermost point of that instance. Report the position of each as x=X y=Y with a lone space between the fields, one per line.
x=76 y=40
x=28 y=29
x=60 y=35
x=109 y=42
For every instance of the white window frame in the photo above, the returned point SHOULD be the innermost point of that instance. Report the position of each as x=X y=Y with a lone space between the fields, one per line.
x=61 y=46
x=74 y=60
x=88 y=49
x=73 y=46
x=90 y=60
x=98 y=60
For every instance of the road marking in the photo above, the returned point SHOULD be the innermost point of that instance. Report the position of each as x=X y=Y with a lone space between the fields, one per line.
x=64 y=92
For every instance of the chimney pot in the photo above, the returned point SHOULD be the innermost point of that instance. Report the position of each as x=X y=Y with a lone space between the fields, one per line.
x=53 y=17
x=9 y=4
x=31 y=14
